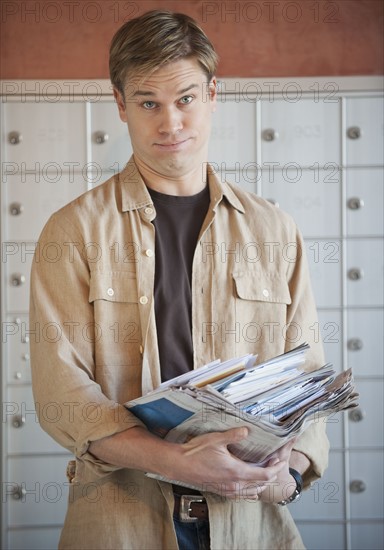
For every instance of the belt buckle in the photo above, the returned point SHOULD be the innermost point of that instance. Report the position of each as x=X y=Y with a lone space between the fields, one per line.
x=185 y=507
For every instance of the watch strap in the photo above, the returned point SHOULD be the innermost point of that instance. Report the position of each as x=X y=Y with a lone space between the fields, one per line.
x=299 y=487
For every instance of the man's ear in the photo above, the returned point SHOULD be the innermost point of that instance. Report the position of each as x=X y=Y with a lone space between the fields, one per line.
x=120 y=104
x=212 y=89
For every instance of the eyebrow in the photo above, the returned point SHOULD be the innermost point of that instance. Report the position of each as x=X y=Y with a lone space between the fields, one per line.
x=151 y=94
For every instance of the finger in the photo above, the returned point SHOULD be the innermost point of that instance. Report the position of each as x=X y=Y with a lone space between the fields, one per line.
x=234 y=435
x=283 y=453
x=291 y=443
x=271 y=471
x=287 y=450
x=266 y=474
x=273 y=461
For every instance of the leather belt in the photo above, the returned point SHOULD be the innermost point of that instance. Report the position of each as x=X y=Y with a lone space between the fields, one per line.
x=189 y=507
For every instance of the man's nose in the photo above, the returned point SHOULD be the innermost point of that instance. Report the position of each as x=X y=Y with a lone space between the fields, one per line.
x=171 y=121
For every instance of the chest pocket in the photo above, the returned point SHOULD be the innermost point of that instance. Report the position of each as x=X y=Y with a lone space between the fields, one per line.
x=261 y=298
x=117 y=324
x=113 y=286
x=262 y=287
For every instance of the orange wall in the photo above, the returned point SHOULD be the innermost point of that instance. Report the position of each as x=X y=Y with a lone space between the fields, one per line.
x=50 y=39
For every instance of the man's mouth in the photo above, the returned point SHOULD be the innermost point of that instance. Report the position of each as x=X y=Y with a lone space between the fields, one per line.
x=172 y=145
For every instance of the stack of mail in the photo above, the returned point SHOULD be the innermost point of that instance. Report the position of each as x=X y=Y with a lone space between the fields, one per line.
x=276 y=400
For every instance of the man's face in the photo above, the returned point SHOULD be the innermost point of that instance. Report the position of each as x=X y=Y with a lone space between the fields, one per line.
x=169 y=117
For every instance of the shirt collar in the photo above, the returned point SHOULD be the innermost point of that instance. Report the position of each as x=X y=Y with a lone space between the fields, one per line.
x=135 y=194
x=219 y=189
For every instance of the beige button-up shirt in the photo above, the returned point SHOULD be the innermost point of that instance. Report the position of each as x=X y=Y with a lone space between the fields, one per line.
x=92 y=289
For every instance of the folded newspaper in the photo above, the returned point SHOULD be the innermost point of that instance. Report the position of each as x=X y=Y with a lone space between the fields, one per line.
x=276 y=400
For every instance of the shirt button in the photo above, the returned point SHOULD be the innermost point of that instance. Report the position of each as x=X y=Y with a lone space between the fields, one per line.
x=143 y=300
x=110 y=292
x=148 y=211
x=149 y=253
x=265 y=293
x=141 y=350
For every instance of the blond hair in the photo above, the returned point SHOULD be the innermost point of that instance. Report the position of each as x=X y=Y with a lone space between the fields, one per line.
x=145 y=43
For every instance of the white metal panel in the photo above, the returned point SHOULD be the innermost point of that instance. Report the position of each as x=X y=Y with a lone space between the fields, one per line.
x=368 y=535
x=367 y=467
x=233 y=135
x=52 y=136
x=324 y=259
x=365 y=202
x=17 y=266
x=24 y=433
x=330 y=330
x=43 y=538
x=16 y=368
x=366 y=429
x=365 y=286
x=335 y=430
x=367 y=115
x=110 y=142
x=323 y=535
x=365 y=345
x=312 y=197
x=43 y=478
x=39 y=196
x=307 y=132
x=325 y=499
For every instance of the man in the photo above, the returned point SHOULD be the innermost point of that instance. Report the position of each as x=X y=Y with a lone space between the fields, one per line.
x=157 y=300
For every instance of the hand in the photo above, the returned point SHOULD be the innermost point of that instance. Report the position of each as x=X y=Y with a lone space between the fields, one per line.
x=284 y=485
x=205 y=461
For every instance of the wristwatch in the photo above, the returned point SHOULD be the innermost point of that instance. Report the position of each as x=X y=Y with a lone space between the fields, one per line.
x=297 y=492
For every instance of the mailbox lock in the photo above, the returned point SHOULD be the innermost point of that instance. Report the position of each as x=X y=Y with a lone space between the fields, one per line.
x=18 y=421
x=100 y=137
x=16 y=208
x=14 y=138
x=357 y=486
x=355 y=203
x=354 y=274
x=354 y=132
x=356 y=415
x=17 y=279
x=19 y=492
x=355 y=344
x=269 y=134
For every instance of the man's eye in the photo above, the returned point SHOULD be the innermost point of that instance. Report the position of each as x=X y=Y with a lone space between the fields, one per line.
x=149 y=104
x=186 y=99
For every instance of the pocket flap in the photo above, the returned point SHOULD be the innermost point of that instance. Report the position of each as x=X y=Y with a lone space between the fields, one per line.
x=114 y=286
x=262 y=286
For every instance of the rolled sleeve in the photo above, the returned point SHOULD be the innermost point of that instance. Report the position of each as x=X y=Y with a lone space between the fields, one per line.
x=64 y=376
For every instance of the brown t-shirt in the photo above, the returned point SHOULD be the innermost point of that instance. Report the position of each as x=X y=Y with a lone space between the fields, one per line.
x=178 y=222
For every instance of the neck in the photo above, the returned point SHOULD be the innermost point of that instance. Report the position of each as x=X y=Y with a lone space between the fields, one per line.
x=183 y=185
